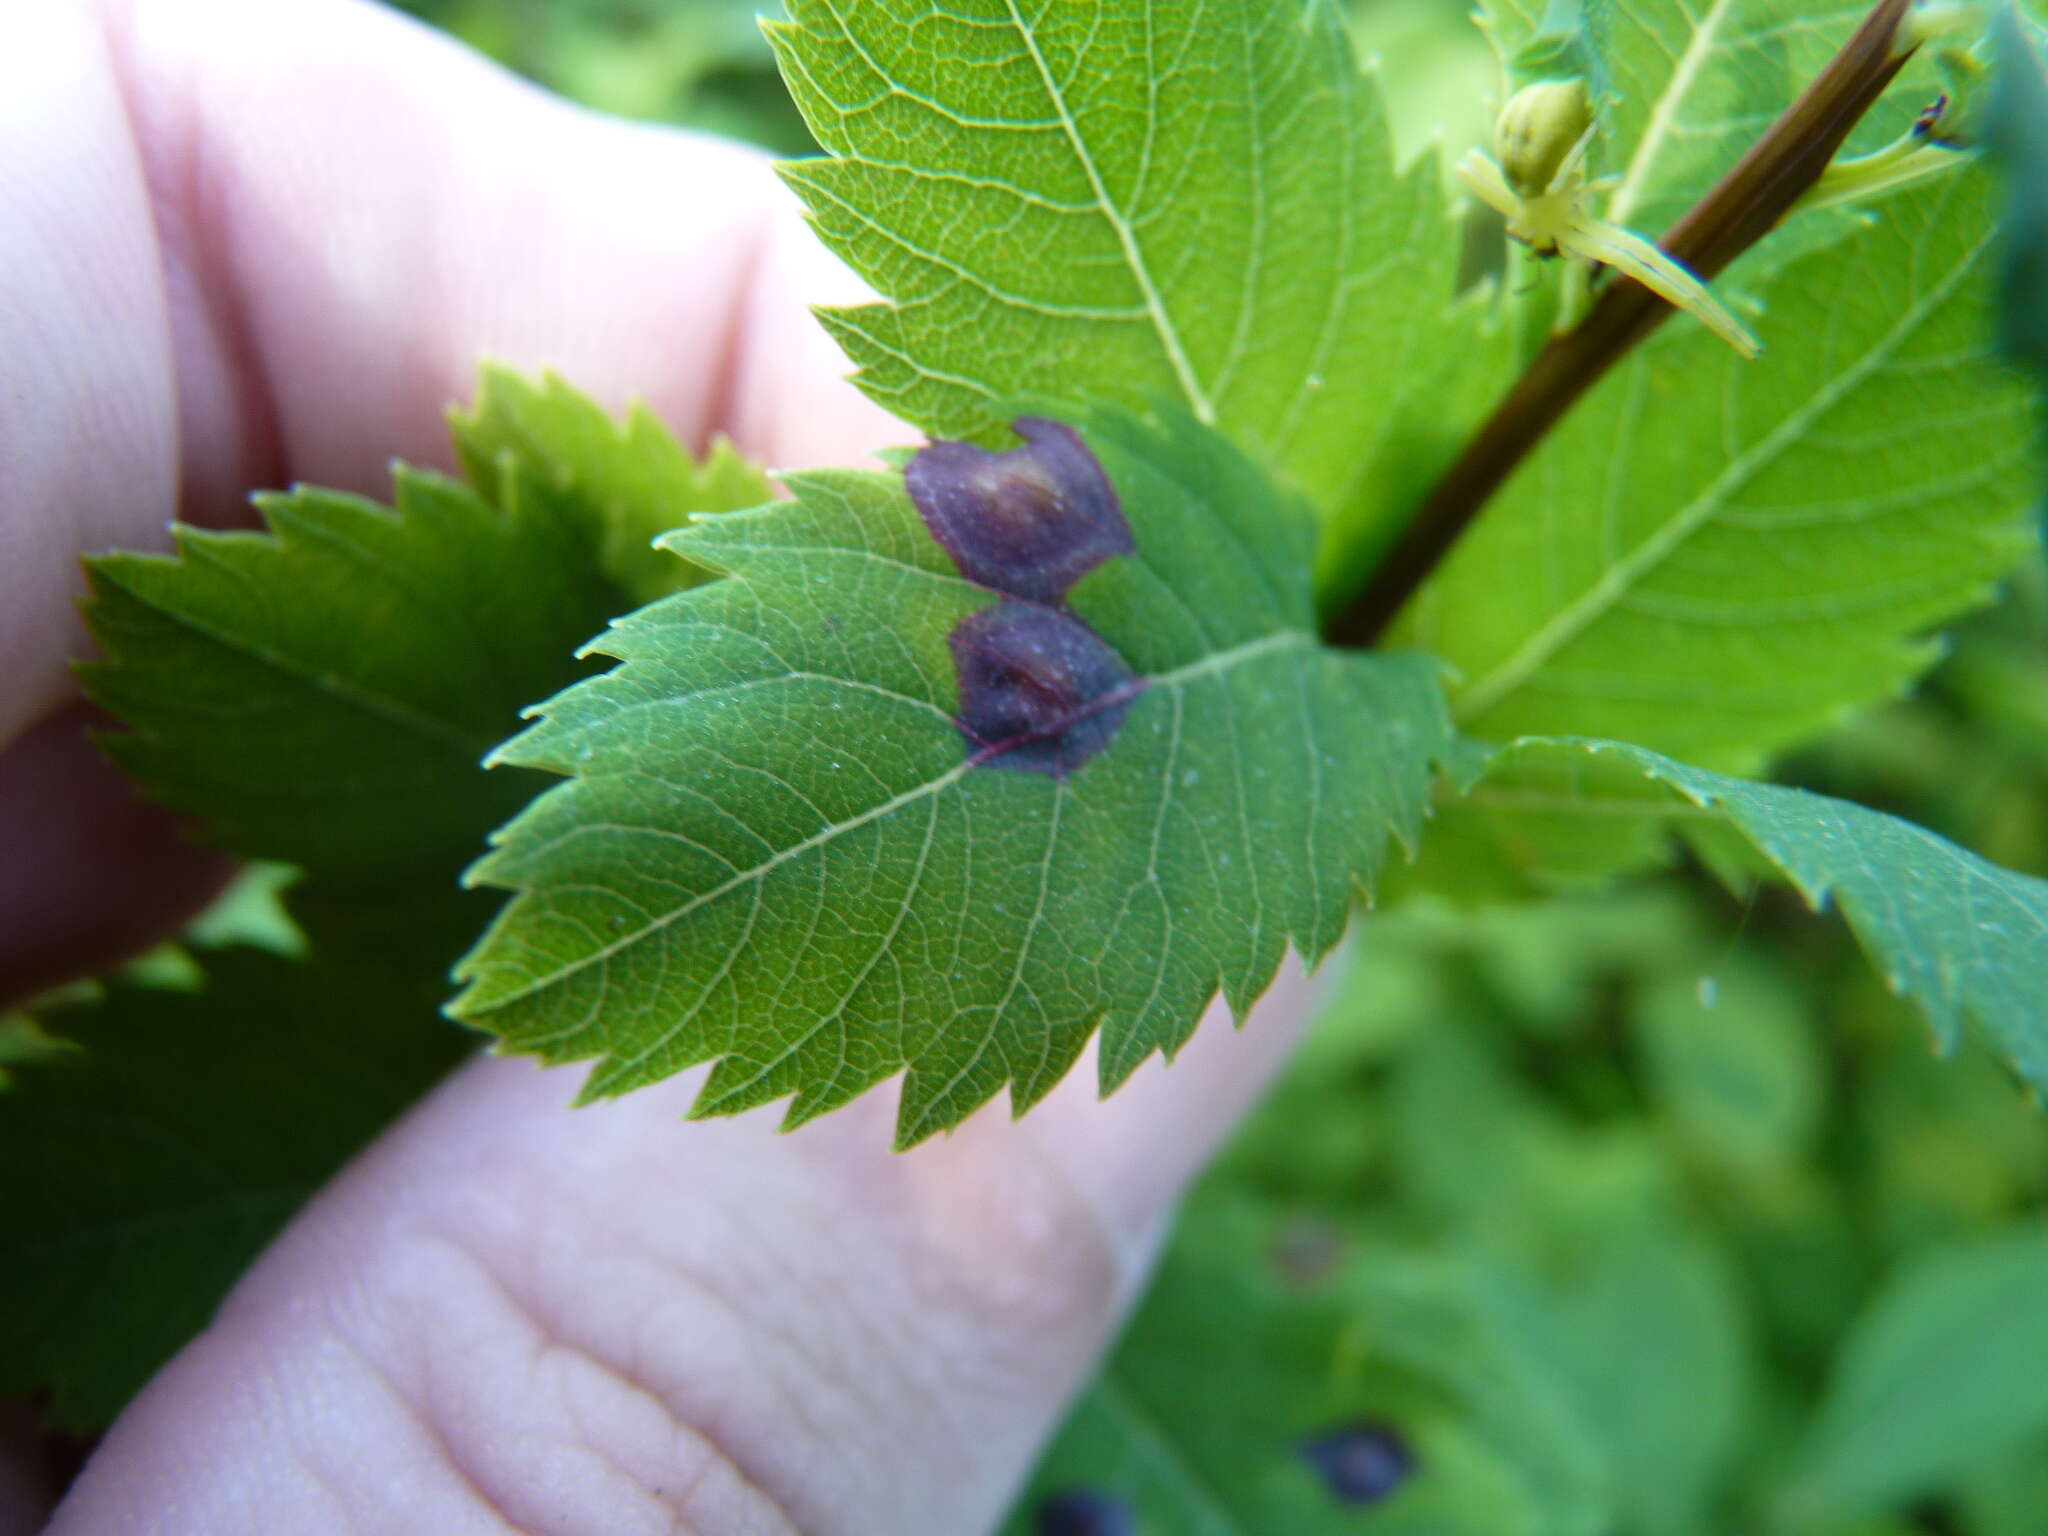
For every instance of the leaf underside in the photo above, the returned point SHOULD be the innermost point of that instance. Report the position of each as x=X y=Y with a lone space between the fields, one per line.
x=323 y=693
x=1179 y=200
x=1966 y=940
x=778 y=854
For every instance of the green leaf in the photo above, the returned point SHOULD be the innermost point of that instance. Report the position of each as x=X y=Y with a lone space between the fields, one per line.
x=324 y=693
x=1689 y=87
x=1718 y=558
x=2011 y=1497
x=1179 y=201
x=779 y=854
x=1730 y=1055
x=631 y=477
x=24 y=1040
x=1551 y=39
x=1940 y=1376
x=1967 y=940
x=1199 y=1424
x=1644 y=1335
x=143 y=1167
x=2017 y=130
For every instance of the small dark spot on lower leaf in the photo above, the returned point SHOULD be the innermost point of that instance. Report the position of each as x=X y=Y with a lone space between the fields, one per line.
x=1029 y=522
x=1359 y=1463
x=1040 y=691
x=1084 y=1512
x=1307 y=1251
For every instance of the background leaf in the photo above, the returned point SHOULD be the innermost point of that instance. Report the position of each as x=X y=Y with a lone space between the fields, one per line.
x=1717 y=558
x=702 y=64
x=1183 y=201
x=1475 y=1117
x=143 y=1168
x=322 y=693
x=631 y=478
x=1940 y=1376
x=777 y=853
x=2017 y=130
x=1201 y=1421
x=1967 y=940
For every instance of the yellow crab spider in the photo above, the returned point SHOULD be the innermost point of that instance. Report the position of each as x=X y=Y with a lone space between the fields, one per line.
x=1539 y=186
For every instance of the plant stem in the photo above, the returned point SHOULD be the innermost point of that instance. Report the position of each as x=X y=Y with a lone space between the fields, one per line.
x=1740 y=209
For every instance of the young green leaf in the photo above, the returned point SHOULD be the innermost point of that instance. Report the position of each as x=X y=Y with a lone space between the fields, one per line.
x=1182 y=201
x=1964 y=938
x=1939 y=1377
x=1717 y=557
x=325 y=692
x=845 y=813
x=145 y=1165
x=630 y=478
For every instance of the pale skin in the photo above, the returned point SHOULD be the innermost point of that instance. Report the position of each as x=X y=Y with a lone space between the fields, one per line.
x=243 y=244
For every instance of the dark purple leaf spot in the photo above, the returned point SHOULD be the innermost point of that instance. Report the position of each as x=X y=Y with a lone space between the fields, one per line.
x=1359 y=1463
x=1039 y=690
x=1083 y=1512
x=1028 y=523
x=1307 y=1252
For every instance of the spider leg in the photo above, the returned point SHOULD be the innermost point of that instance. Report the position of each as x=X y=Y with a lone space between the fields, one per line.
x=1663 y=275
x=1482 y=178
x=1572 y=294
x=1575 y=158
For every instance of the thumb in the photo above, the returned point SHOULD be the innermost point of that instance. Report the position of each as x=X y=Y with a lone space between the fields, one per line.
x=511 y=1315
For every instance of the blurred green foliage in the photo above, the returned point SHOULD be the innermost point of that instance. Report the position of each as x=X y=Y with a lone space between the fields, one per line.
x=698 y=63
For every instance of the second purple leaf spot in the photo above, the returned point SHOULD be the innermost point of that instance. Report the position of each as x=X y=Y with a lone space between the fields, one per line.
x=1040 y=691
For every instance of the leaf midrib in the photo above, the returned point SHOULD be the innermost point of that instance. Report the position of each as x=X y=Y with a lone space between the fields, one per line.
x=1127 y=238
x=1217 y=661
x=377 y=706
x=1664 y=113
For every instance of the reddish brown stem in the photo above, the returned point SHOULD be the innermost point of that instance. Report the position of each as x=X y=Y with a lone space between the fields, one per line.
x=1740 y=209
